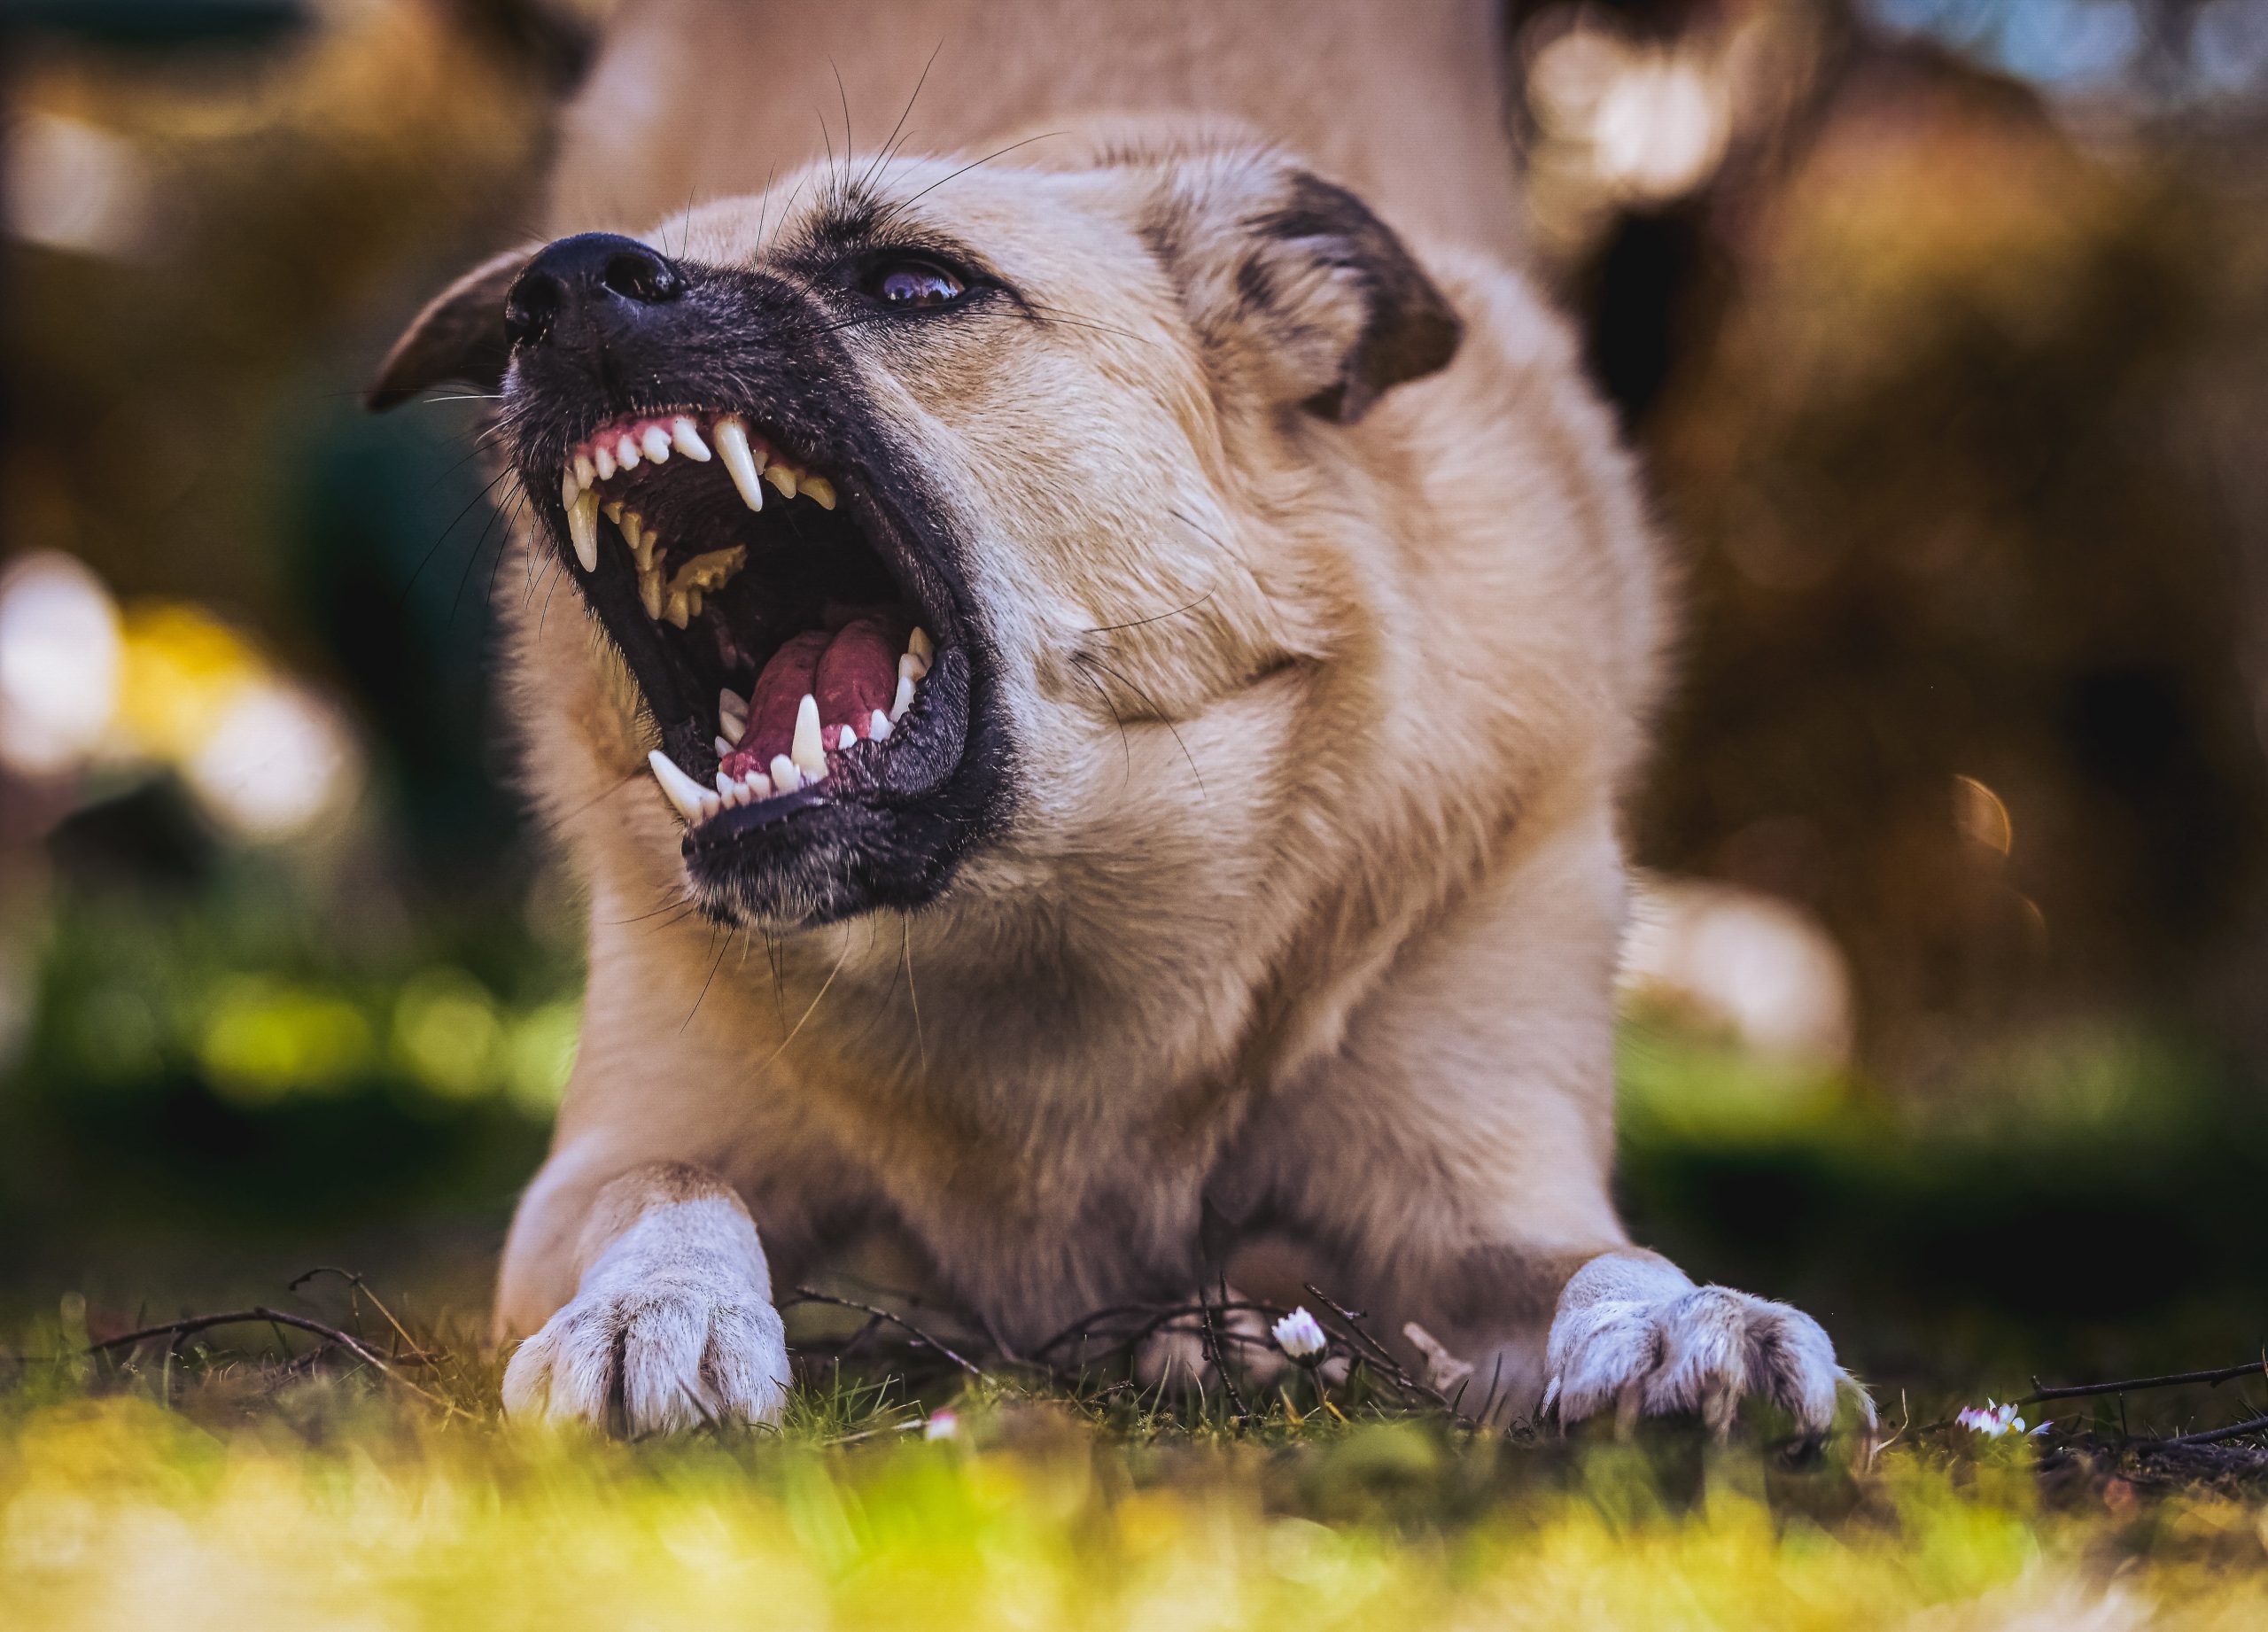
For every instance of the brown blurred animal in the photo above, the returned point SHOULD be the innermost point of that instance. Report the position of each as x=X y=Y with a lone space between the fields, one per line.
x=1138 y=659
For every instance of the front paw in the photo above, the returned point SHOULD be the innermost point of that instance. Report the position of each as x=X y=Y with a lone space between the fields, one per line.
x=1696 y=1349
x=654 y=1354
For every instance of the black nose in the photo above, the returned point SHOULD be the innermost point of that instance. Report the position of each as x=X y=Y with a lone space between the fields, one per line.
x=600 y=282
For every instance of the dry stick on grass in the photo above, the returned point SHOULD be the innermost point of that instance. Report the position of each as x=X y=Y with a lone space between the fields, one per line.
x=417 y=1354
x=1220 y=1360
x=2172 y=1379
x=1381 y=1358
x=806 y=1294
x=263 y=1315
x=2258 y=1425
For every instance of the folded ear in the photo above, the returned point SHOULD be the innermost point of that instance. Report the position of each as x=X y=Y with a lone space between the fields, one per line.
x=1296 y=286
x=459 y=336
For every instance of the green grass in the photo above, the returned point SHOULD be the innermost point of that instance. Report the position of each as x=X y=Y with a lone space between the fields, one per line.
x=228 y=1490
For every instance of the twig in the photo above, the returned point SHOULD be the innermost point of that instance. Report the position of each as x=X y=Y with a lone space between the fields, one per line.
x=2258 y=1425
x=258 y=1315
x=806 y=1294
x=416 y=1354
x=2172 y=1379
x=1213 y=1352
x=1369 y=1348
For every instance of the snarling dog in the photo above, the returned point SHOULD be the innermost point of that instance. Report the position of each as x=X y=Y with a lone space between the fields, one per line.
x=1091 y=713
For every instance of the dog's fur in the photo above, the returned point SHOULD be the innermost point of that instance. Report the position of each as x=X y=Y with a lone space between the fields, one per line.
x=1326 y=622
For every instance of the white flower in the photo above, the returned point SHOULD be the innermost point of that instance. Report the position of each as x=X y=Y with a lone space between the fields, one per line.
x=1298 y=1335
x=941 y=1425
x=1994 y=1420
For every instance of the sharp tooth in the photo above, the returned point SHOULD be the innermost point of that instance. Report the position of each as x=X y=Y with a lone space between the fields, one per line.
x=729 y=789
x=684 y=792
x=846 y=737
x=910 y=667
x=809 y=750
x=724 y=746
x=612 y=510
x=780 y=476
x=732 y=713
x=904 y=700
x=740 y=459
x=919 y=645
x=686 y=436
x=680 y=608
x=626 y=452
x=758 y=785
x=709 y=805
x=819 y=491
x=570 y=489
x=650 y=591
x=605 y=458
x=585 y=473
x=583 y=528
x=878 y=728
x=655 y=444
x=634 y=528
x=785 y=777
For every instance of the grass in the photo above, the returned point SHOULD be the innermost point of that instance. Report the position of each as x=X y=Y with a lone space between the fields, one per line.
x=236 y=1488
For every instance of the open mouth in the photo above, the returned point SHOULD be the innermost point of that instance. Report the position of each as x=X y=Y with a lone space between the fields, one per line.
x=782 y=636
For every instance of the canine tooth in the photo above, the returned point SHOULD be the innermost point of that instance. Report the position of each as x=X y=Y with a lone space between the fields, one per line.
x=724 y=746
x=846 y=737
x=583 y=528
x=918 y=644
x=732 y=713
x=780 y=476
x=684 y=792
x=809 y=750
x=740 y=459
x=785 y=777
x=758 y=785
x=905 y=698
x=585 y=473
x=655 y=444
x=878 y=728
x=570 y=489
x=605 y=462
x=650 y=591
x=709 y=805
x=911 y=667
x=685 y=436
x=819 y=491
x=626 y=452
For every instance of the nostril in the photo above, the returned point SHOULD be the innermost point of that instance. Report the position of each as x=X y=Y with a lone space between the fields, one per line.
x=529 y=309
x=638 y=275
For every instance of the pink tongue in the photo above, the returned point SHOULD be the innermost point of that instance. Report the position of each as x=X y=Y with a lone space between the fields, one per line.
x=852 y=672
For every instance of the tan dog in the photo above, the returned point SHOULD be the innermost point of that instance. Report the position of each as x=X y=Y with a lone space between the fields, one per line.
x=1137 y=661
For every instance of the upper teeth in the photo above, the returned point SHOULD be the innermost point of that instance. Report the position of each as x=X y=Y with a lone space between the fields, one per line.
x=748 y=460
x=805 y=763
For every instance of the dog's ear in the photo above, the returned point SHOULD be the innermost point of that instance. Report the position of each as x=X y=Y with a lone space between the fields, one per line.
x=459 y=336
x=1296 y=287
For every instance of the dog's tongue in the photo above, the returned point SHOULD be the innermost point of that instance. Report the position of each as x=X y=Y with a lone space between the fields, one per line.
x=850 y=668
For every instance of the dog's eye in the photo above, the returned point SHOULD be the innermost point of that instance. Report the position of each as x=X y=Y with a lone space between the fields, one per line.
x=911 y=285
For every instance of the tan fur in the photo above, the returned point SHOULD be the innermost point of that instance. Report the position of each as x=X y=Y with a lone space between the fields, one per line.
x=1312 y=908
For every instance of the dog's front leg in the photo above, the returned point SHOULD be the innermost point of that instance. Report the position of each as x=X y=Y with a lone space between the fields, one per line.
x=671 y=1323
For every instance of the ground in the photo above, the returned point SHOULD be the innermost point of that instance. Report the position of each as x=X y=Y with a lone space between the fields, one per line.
x=212 y=1480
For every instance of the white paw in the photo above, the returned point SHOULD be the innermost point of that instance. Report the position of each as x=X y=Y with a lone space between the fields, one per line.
x=1674 y=1349
x=657 y=1342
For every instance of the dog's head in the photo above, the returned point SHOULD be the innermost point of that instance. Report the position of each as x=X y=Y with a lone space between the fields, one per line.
x=900 y=491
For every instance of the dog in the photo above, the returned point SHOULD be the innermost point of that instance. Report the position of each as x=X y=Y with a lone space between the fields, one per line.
x=1105 y=645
